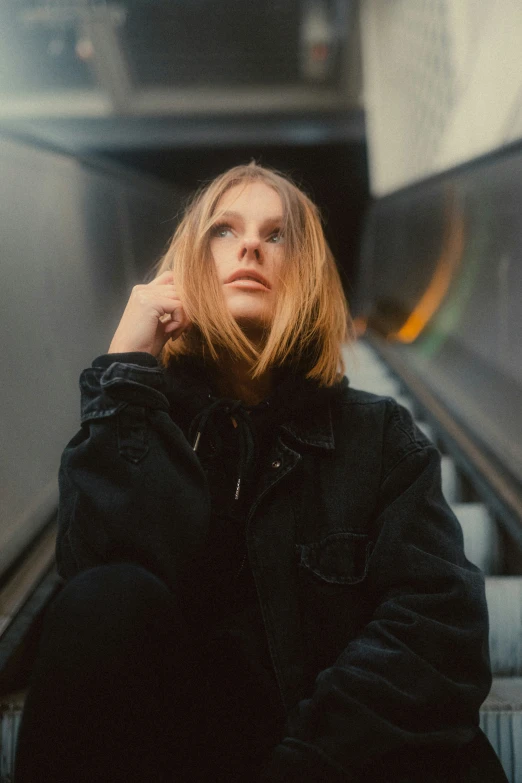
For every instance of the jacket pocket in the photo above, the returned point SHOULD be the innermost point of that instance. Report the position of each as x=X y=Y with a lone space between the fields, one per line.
x=339 y=559
x=133 y=438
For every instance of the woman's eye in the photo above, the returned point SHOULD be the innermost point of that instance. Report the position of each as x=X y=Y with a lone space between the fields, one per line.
x=220 y=230
x=276 y=237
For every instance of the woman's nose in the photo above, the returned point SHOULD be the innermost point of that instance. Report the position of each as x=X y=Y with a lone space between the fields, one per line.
x=250 y=248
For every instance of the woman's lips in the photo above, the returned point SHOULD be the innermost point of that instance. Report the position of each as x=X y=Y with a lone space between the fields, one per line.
x=245 y=283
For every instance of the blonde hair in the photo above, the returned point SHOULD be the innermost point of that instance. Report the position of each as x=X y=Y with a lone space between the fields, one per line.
x=311 y=319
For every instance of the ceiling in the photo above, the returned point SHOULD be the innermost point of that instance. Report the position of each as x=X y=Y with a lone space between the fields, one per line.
x=180 y=71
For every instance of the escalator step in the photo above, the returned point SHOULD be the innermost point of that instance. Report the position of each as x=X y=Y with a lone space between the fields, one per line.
x=504 y=599
x=501 y=722
x=481 y=537
x=450 y=480
x=426 y=429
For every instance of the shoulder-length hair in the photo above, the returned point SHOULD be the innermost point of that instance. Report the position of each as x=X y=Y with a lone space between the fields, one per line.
x=311 y=320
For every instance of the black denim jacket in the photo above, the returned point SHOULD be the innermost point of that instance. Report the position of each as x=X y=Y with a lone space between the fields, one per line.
x=376 y=622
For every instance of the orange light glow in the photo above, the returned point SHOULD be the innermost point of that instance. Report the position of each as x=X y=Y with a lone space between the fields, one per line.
x=360 y=325
x=447 y=265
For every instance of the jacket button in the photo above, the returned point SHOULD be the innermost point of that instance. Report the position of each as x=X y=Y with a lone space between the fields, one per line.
x=276 y=463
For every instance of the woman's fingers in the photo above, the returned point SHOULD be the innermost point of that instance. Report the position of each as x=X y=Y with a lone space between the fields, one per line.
x=150 y=310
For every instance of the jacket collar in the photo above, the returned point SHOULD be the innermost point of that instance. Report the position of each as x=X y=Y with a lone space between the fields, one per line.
x=314 y=430
x=301 y=408
x=311 y=423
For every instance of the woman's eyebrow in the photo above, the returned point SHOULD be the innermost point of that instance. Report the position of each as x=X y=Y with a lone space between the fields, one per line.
x=231 y=213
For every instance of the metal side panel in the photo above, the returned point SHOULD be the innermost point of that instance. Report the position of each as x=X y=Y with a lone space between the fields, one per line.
x=10 y=719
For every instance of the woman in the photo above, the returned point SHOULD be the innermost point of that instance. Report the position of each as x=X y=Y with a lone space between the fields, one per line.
x=265 y=582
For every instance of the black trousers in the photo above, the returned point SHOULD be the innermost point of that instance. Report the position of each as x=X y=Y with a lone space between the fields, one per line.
x=120 y=692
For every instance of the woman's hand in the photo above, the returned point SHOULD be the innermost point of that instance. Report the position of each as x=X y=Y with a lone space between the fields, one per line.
x=153 y=314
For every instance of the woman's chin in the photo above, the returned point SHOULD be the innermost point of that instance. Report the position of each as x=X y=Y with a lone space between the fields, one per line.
x=255 y=328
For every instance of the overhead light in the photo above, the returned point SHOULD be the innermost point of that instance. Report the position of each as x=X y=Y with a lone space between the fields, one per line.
x=51 y=15
x=318 y=41
x=84 y=49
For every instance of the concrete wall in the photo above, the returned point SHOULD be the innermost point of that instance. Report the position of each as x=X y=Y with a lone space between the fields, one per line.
x=442 y=84
x=75 y=239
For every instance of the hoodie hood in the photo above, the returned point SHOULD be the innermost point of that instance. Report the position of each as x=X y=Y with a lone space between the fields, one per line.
x=201 y=409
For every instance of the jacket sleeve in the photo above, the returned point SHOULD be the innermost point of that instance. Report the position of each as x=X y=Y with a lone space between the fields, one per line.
x=414 y=677
x=130 y=485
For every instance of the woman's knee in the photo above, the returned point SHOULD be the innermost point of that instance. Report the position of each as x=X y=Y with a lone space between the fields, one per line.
x=112 y=582
x=111 y=607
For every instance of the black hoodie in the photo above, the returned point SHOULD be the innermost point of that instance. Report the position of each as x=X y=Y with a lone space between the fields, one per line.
x=233 y=444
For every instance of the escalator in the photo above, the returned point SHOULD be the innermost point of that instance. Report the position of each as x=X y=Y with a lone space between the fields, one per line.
x=112 y=223
x=487 y=543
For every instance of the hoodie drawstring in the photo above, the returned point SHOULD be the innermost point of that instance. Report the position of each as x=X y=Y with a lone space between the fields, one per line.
x=245 y=429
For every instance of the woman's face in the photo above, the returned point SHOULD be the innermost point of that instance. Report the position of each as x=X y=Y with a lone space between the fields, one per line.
x=248 y=248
